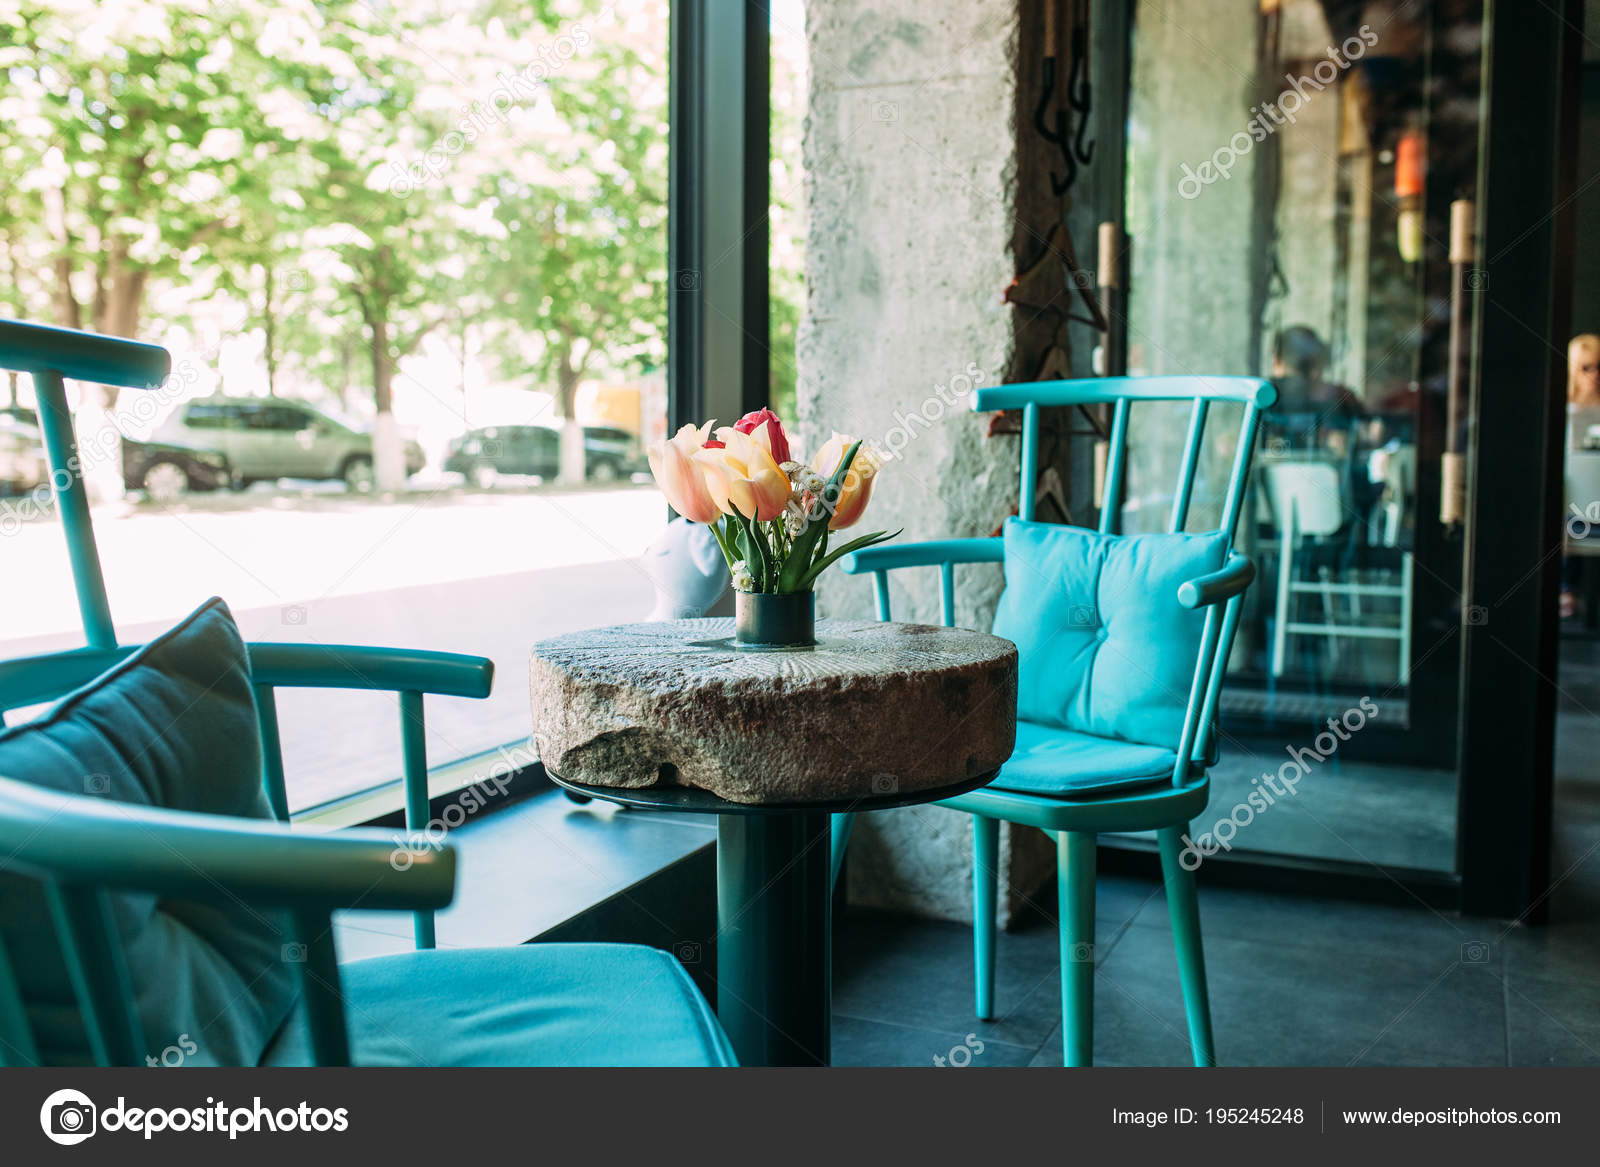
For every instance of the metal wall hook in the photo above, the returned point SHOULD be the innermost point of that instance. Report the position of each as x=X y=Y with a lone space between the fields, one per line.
x=1061 y=135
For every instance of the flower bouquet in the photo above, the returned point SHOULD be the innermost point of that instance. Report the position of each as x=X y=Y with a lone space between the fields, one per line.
x=771 y=514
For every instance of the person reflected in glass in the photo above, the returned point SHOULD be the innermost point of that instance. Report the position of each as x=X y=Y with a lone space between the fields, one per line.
x=1313 y=413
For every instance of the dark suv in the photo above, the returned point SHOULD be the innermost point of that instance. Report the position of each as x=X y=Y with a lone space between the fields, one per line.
x=483 y=454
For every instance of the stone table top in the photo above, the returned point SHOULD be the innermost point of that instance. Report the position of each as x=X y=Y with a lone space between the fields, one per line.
x=872 y=709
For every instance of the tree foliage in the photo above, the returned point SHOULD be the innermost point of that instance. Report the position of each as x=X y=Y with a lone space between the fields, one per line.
x=350 y=177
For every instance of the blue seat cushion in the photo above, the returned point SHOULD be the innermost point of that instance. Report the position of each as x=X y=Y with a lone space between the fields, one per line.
x=1103 y=646
x=172 y=725
x=531 y=1005
x=1065 y=764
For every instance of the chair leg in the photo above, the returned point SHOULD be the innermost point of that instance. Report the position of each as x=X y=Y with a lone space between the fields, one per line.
x=1285 y=598
x=839 y=842
x=985 y=878
x=1184 y=907
x=1075 y=852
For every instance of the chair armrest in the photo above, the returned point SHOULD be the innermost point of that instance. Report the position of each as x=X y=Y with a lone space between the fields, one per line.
x=79 y=839
x=345 y=666
x=935 y=551
x=1205 y=590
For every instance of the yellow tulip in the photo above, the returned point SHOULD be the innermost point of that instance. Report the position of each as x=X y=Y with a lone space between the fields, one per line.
x=681 y=478
x=742 y=476
x=857 y=486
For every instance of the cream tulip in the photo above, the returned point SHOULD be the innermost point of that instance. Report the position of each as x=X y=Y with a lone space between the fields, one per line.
x=681 y=478
x=856 y=489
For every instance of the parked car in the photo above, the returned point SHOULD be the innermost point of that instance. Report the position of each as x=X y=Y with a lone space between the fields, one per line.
x=483 y=454
x=22 y=459
x=166 y=471
x=265 y=438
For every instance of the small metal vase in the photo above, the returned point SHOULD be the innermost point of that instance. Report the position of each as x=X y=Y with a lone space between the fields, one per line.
x=776 y=621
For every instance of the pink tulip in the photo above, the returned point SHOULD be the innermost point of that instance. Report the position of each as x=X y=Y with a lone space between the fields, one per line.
x=764 y=426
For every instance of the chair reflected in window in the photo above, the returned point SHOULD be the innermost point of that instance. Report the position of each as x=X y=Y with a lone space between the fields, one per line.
x=1313 y=531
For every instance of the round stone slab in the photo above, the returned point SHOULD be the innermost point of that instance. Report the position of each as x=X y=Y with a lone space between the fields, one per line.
x=871 y=709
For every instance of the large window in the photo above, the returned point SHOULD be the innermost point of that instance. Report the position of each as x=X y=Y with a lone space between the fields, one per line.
x=410 y=260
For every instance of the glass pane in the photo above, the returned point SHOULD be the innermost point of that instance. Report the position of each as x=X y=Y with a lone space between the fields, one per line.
x=786 y=222
x=422 y=224
x=1290 y=173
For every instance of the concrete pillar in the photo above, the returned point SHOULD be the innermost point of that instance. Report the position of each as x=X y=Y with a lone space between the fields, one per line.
x=910 y=151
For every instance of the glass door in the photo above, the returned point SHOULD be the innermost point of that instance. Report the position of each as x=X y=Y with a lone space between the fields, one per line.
x=1293 y=167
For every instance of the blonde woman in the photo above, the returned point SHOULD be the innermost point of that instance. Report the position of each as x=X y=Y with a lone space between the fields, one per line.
x=1583 y=370
x=1583 y=393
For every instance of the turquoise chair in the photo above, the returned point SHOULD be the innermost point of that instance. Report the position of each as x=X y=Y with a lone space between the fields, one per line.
x=1130 y=752
x=99 y=862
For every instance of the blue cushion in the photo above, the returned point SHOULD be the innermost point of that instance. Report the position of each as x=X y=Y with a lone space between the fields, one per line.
x=1060 y=762
x=1104 y=647
x=532 y=1005
x=173 y=725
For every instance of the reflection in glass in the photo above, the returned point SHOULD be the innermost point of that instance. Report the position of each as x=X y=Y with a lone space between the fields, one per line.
x=1290 y=169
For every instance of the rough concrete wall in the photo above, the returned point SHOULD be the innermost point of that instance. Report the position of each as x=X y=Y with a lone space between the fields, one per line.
x=910 y=153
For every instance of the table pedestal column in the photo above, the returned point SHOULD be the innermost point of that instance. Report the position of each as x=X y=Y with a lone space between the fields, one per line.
x=775 y=937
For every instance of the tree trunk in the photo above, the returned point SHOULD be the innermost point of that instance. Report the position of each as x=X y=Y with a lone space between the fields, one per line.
x=269 y=331
x=388 y=453
x=62 y=301
x=347 y=366
x=569 y=374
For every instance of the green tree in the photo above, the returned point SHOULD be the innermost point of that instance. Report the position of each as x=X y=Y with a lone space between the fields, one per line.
x=143 y=134
x=578 y=268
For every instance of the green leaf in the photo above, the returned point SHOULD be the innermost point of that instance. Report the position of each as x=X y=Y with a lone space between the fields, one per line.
x=755 y=555
x=824 y=563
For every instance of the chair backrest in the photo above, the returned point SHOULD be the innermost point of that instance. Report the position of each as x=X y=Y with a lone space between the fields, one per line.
x=1306 y=493
x=77 y=849
x=50 y=355
x=1122 y=394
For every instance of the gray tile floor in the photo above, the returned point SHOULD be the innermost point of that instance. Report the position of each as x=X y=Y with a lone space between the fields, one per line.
x=1294 y=981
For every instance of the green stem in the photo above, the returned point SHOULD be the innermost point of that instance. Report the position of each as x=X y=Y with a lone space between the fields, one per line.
x=728 y=555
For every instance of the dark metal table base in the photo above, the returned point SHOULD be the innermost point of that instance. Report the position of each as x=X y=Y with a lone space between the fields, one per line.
x=774 y=912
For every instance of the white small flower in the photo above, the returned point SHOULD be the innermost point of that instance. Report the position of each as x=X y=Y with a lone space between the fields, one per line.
x=742 y=579
x=814 y=483
x=794 y=521
x=794 y=470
